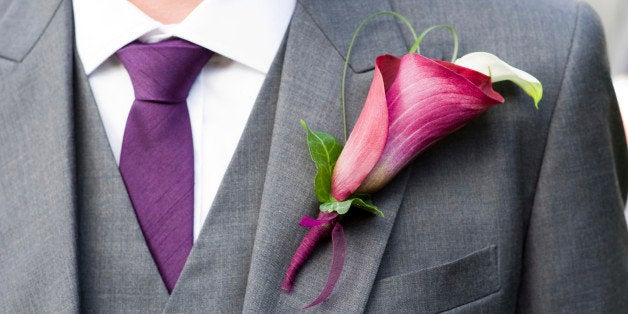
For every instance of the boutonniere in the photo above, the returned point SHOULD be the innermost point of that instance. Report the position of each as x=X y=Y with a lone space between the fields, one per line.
x=413 y=102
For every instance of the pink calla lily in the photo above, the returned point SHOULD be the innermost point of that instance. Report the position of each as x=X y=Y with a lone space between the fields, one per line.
x=413 y=102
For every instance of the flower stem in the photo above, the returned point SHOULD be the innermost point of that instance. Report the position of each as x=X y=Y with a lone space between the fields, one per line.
x=321 y=228
x=346 y=65
x=417 y=42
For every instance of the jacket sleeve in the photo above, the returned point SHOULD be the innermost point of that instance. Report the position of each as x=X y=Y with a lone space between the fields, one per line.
x=576 y=249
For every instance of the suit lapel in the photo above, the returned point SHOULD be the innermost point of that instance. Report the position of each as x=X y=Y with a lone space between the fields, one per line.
x=215 y=274
x=23 y=22
x=310 y=90
x=339 y=19
x=37 y=182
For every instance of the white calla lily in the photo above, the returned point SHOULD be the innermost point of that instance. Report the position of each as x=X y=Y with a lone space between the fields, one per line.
x=499 y=70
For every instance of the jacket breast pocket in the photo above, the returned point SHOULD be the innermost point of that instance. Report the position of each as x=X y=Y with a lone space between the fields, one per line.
x=438 y=288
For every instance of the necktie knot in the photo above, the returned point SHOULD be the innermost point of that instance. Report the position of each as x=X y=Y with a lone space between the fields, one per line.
x=163 y=72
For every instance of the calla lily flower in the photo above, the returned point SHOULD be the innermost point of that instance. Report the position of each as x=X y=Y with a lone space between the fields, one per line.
x=413 y=102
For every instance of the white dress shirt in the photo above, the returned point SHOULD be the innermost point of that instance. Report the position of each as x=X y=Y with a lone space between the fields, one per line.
x=245 y=36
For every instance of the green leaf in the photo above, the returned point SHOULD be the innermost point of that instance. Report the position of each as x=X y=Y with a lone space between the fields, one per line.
x=324 y=150
x=344 y=206
x=334 y=206
x=368 y=206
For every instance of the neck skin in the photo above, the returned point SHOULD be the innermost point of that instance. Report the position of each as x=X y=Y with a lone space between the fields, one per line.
x=167 y=11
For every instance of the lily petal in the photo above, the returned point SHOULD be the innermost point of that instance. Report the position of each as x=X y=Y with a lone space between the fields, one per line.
x=427 y=101
x=366 y=142
x=499 y=70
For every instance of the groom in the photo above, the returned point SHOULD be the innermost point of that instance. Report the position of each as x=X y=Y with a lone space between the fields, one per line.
x=521 y=210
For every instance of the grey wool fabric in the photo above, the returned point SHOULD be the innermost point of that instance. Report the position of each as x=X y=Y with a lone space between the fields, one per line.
x=519 y=211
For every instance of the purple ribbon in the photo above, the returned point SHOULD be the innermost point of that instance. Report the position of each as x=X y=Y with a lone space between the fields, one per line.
x=320 y=228
x=310 y=222
x=339 y=250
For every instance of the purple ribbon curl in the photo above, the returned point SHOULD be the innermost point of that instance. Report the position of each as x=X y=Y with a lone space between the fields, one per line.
x=320 y=228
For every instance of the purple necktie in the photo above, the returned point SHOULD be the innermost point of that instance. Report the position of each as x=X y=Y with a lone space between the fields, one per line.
x=157 y=157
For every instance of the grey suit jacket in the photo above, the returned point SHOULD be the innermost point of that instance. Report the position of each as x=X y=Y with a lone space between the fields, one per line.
x=521 y=210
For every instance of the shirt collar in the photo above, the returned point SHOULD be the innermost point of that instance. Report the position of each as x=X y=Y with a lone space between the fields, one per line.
x=246 y=31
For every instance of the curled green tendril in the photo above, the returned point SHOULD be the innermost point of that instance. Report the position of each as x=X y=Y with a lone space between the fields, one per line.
x=415 y=48
x=346 y=65
x=417 y=42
